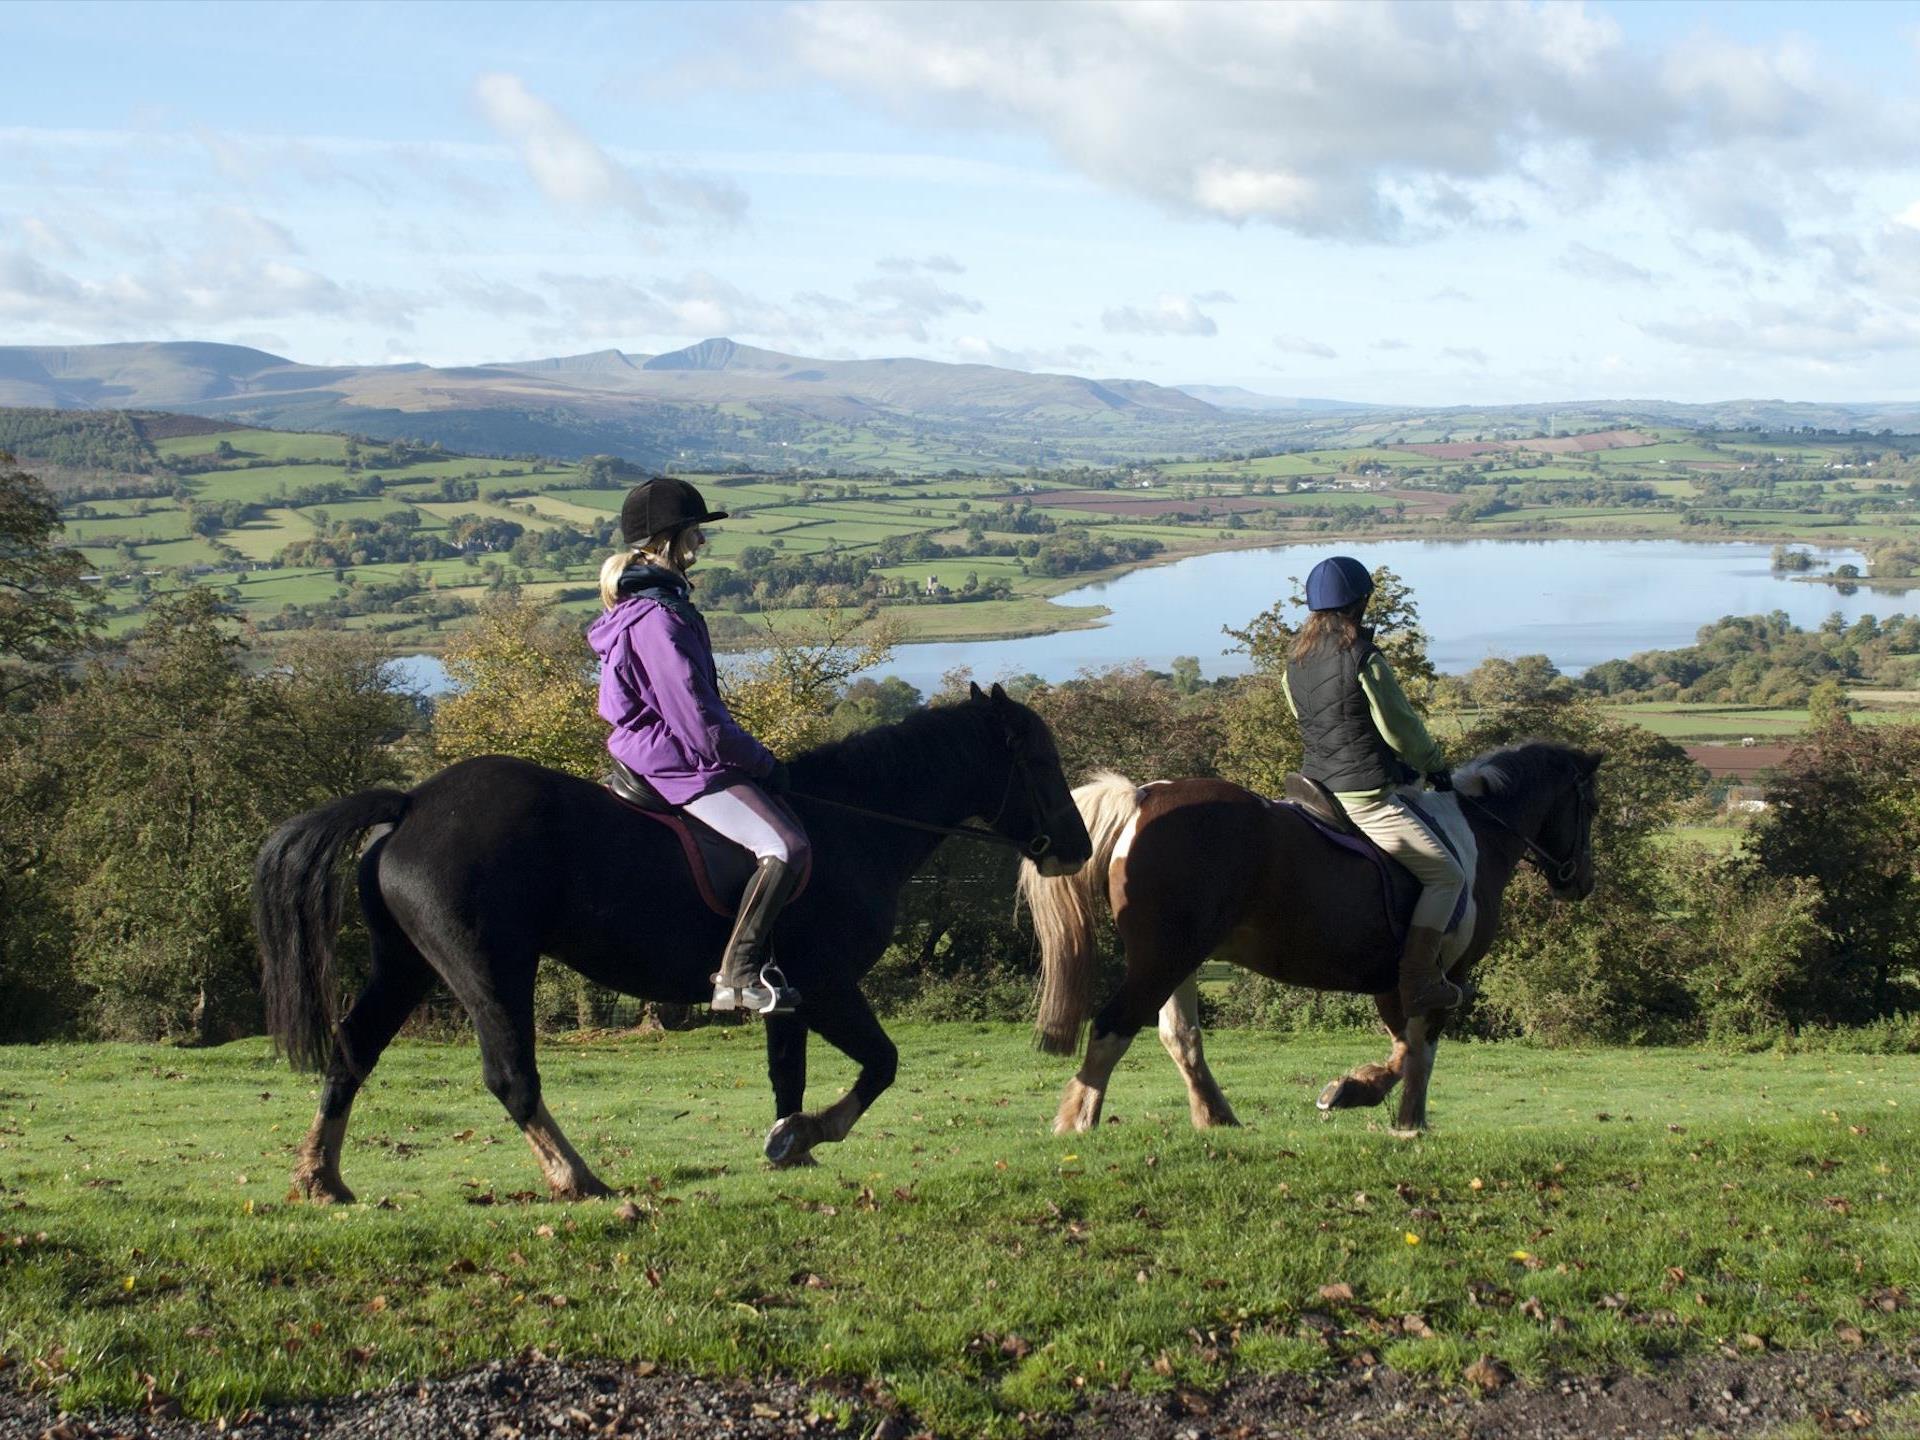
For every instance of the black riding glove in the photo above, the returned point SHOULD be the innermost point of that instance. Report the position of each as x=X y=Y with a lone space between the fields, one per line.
x=1440 y=780
x=777 y=781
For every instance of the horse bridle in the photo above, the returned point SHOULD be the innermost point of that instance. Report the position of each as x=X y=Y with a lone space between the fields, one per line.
x=1034 y=848
x=1554 y=872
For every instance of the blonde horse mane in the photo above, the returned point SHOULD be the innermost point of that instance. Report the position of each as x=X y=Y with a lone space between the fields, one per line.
x=1063 y=913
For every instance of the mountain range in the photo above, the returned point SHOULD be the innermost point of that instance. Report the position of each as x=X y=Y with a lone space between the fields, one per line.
x=723 y=402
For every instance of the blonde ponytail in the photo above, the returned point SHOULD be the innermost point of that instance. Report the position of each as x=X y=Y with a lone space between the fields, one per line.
x=670 y=549
x=611 y=569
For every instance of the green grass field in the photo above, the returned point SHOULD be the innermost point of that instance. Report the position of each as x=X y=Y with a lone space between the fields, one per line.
x=1583 y=1209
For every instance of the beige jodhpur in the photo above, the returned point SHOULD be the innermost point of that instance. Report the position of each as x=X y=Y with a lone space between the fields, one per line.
x=1391 y=825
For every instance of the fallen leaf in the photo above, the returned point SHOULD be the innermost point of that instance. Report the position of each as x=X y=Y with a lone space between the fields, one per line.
x=1018 y=1348
x=1411 y=1238
x=1487 y=1374
x=1338 y=1292
x=1416 y=1326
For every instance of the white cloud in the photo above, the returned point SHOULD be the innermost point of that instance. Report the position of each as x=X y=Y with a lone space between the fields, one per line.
x=1169 y=315
x=978 y=350
x=1300 y=345
x=236 y=267
x=1828 y=329
x=700 y=304
x=1368 y=121
x=1587 y=263
x=181 y=296
x=933 y=264
x=1471 y=354
x=575 y=173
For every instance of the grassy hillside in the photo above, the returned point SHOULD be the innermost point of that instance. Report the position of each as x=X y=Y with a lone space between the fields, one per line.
x=1570 y=1211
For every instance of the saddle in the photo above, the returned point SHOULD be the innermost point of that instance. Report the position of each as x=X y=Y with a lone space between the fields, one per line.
x=720 y=867
x=1321 y=809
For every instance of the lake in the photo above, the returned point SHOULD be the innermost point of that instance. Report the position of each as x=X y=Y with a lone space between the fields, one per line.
x=1576 y=601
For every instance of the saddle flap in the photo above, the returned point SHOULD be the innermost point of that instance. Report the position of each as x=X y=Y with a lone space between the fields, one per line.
x=720 y=868
x=1315 y=798
x=633 y=788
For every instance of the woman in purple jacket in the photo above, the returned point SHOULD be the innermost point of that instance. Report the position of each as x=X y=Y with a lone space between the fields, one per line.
x=659 y=689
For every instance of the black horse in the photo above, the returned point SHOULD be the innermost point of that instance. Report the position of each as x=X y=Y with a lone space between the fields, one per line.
x=495 y=862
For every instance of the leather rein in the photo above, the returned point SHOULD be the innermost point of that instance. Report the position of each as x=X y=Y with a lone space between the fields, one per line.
x=1555 y=872
x=1035 y=848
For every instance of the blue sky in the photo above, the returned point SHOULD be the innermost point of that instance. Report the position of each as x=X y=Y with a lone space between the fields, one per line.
x=1419 y=204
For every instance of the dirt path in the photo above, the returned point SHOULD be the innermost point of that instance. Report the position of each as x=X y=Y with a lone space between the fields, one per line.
x=1860 y=1393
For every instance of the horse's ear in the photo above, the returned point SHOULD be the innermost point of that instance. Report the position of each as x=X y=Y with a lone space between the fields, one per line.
x=997 y=695
x=974 y=692
x=1591 y=761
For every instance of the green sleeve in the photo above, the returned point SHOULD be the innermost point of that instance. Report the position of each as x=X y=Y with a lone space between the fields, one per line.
x=1287 y=690
x=1395 y=718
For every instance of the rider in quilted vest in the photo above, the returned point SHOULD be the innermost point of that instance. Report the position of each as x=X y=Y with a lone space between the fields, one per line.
x=660 y=691
x=1364 y=742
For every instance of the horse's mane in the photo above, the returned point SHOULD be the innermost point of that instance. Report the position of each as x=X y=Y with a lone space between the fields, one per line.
x=921 y=744
x=1513 y=768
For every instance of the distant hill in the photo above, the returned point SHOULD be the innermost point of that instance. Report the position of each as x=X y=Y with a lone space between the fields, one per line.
x=717 y=399
x=721 y=403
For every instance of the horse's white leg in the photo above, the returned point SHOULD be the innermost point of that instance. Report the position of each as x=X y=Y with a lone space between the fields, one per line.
x=1180 y=1034
x=1371 y=1083
x=1087 y=1091
x=568 y=1176
x=316 y=1175
x=1418 y=1070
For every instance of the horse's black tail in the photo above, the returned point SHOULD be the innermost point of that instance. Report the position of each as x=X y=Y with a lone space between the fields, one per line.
x=296 y=910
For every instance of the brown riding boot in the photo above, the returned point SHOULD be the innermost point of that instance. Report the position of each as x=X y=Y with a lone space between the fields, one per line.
x=1422 y=986
x=746 y=981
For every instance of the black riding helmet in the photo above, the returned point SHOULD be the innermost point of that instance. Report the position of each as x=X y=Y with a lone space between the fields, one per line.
x=663 y=503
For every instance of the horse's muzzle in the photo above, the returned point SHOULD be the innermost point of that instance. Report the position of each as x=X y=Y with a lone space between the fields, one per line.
x=1054 y=868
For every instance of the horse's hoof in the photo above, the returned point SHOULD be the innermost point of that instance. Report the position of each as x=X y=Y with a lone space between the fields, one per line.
x=1346 y=1093
x=1407 y=1132
x=591 y=1188
x=783 y=1145
x=320 y=1190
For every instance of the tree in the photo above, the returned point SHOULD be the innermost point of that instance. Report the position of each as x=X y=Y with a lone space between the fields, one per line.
x=46 y=609
x=1129 y=720
x=181 y=761
x=1828 y=704
x=785 y=696
x=1845 y=814
x=524 y=685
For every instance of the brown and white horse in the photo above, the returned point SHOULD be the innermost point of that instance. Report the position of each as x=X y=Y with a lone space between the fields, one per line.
x=1199 y=868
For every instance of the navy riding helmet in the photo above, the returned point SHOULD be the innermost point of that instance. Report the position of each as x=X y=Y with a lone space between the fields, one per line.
x=1337 y=582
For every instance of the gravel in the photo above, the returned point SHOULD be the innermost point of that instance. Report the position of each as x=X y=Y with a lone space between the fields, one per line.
x=1743 y=1396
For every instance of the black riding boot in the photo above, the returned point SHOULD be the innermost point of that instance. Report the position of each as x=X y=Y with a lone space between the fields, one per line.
x=747 y=980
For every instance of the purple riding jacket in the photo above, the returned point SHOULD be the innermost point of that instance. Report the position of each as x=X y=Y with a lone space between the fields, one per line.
x=660 y=691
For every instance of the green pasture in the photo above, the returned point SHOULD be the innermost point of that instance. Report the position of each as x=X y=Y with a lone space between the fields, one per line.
x=1721 y=839
x=265 y=444
x=1570 y=1210
x=168 y=522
